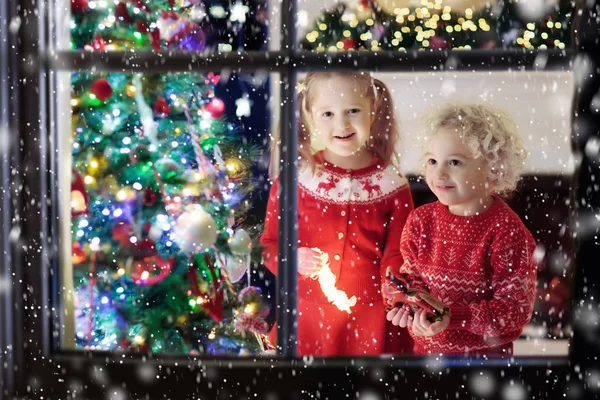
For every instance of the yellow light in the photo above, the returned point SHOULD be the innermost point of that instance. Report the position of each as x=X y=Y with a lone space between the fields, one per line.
x=544 y=35
x=531 y=26
x=250 y=309
x=89 y=180
x=347 y=33
x=446 y=17
x=340 y=46
x=449 y=29
x=405 y=29
x=558 y=25
x=437 y=6
x=447 y=9
x=199 y=300
x=461 y=20
x=561 y=45
x=121 y=195
x=399 y=19
x=138 y=339
x=411 y=18
x=418 y=29
x=322 y=26
x=212 y=335
x=395 y=42
x=425 y=43
x=370 y=22
x=74 y=102
x=327 y=279
x=121 y=271
x=550 y=24
x=520 y=41
x=469 y=13
x=457 y=28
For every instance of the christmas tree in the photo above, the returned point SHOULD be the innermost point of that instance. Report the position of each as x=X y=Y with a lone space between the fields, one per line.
x=399 y=25
x=159 y=179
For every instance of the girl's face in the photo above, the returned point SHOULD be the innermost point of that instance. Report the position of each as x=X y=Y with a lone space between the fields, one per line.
x=458 y=180
x=341 y=117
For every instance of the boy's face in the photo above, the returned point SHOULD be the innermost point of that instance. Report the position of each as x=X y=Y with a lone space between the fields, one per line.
x=458 y=180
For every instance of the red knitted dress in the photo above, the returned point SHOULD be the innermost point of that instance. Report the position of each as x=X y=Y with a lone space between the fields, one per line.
x=356 y=217
x=481 y=267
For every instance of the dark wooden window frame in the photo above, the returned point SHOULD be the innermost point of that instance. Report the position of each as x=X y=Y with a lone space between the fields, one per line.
x=32 y=365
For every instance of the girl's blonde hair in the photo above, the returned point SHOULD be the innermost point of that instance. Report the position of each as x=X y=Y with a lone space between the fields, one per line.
x=384 y=133
x=490 y=133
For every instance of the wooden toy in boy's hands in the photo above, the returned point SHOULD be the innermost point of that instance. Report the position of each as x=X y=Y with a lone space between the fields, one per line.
x=399 y=293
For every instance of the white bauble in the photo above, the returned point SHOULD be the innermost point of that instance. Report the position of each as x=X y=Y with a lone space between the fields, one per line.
x=195 y=230
x=235 y=267
x=240 y=243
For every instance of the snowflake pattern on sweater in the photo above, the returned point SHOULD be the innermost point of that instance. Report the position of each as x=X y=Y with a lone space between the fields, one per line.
x=480 y=266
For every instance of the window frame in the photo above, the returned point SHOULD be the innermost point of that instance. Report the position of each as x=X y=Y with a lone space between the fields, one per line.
x=35 y=366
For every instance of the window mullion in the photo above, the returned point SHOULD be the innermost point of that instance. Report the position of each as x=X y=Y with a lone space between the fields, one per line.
x=288 y=235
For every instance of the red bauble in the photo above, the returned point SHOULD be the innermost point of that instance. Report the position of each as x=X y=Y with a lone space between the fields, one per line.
x=142 y=27
x=155 y=39
x=102 y=89
x=149 y=197
x=215 y=107
x=79 y=6
x=349 y=44
x=122 y=13
x=161 y=108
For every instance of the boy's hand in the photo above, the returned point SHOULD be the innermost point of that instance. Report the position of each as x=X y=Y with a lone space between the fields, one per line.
x=421 y=326
x=400 y=317
x=309 y=261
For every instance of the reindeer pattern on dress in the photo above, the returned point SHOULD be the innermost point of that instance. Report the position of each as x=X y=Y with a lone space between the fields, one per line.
x=336 y=187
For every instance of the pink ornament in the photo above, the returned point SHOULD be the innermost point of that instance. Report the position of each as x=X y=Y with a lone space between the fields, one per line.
x=215 y=107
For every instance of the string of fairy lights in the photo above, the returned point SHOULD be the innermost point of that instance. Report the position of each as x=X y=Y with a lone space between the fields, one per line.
x=431 y=26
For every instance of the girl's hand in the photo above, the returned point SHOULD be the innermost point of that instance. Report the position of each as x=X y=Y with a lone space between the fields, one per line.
x=400 y=317
x=309 y=261
x=422 y=327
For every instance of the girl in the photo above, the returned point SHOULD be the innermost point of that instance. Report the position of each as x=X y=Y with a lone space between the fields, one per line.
x=352 y=205
x=469 y=249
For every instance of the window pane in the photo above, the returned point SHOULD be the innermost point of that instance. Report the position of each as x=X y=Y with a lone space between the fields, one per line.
x=185 y=25
x=403 y=25
x=160 y=247
x=352 y=210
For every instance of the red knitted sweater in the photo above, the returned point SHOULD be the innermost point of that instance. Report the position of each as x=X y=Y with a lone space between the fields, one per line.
x=480 y=266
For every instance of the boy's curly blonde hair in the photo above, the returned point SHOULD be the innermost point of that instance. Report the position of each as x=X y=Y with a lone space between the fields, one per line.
x=490 y=133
